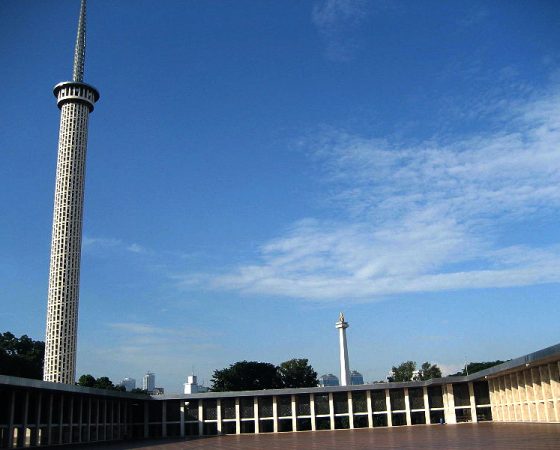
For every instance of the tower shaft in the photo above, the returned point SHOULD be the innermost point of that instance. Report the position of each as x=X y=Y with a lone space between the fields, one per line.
x=343 y=351
x=75 y=100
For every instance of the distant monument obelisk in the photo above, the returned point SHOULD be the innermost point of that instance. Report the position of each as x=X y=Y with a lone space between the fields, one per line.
x=344 y=364
x=75 y=100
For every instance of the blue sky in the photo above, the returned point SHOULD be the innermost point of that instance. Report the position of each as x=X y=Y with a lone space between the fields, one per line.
x=255 y=167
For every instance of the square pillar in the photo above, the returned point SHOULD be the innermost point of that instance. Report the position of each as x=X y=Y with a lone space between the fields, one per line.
x=49 y=423
x=294 y=413
x=200 y=418
x=426 y=405
x=36 y=439
x=182 y=419
x=350 y=411
x=449 y=404
x=388 y=407
x=312 y=410
x=407 y=407
x=256 y=413
x=146 y=419
x=81 y=418
x=369 y=409
x=331 y=410
x=472 y=402
x=24 y=421
x=164 y=418
x=11 y=413
x=237 y=417
x=219 y=415
x=275 y=413
x=88 y=430
x=61 y=420
x=71 y=418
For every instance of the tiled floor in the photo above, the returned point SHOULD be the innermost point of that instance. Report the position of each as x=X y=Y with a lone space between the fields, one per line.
x=484 y=436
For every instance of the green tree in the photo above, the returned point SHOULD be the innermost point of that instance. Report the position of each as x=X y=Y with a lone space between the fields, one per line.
x=21 y=357
x=86 y=380
x=139 y=391
x=104 y=383
x=246 y=375
x=474 y=367
x=297 y=373
x=403 y=372
x=429 y=371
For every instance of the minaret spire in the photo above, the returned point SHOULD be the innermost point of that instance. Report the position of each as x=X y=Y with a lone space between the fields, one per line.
x=76 y=101
x=80 y=50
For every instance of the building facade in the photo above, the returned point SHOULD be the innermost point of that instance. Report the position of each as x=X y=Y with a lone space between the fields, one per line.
x=36 y=413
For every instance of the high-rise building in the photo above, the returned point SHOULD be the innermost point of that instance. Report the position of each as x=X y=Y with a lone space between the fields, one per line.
x=356 y=377
x=149 y=382
x=76 y=100
x=328 y=380
x=128 y=383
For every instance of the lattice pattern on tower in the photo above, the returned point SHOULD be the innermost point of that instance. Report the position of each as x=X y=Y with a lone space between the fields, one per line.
x=75 y=100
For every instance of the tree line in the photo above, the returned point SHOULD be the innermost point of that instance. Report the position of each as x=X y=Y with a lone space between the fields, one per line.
x=23 y=357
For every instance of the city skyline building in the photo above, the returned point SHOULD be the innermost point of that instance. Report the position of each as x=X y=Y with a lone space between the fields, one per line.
x=149 y=382
x=76 y=100
x=128 y=383
x=328 y=379
x=341 y=325
x=356 y=378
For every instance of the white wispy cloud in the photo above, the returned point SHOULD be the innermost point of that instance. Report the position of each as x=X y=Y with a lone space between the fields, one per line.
x=138 y=346
x=102 y=244
x=419 y=218
x=336 y=22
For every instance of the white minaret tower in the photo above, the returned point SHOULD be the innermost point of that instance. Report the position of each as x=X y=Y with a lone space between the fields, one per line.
x=75 y=99
x=344 y=364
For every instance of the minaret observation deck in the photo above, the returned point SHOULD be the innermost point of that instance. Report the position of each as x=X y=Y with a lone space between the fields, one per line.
x=75 y=100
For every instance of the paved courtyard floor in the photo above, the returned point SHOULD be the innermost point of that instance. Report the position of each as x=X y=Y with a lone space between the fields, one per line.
x=483 y=436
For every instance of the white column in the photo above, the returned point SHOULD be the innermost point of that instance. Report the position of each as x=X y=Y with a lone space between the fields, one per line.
x=294 y=413
x=426 y=405
x=472 y=402
x=219 y=415
x=407 y=407
x=449 y=404
x=237 y=417
x=256 y=413
x=331 y=410
x=369 y=409
x=343 y=349
x=200 y=419
x=275 y=413
x=182 y=419
x=350 y=411
x=312 y=410
x=389 y=410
